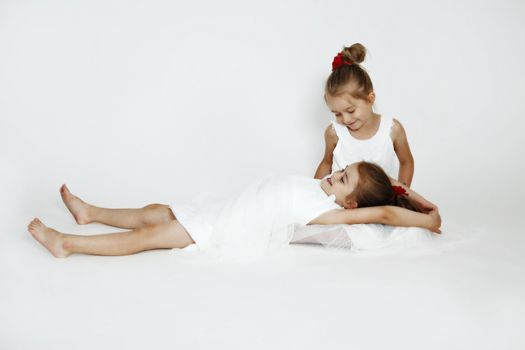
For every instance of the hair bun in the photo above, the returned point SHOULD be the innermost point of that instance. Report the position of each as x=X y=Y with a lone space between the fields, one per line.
x=355 y=53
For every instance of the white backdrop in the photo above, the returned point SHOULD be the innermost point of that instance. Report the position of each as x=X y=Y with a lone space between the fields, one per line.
x=153 y=101
x=134 y=102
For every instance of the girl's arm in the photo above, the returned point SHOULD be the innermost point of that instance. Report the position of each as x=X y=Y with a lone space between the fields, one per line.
x=388 y=215
x=325 y=167
x=425 y=203
x=402 y=149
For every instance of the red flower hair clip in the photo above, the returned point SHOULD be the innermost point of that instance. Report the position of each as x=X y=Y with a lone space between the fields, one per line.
x=399 y=191
x=339 y=61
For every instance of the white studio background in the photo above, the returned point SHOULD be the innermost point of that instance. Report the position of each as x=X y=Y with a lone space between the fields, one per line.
x=134 y=102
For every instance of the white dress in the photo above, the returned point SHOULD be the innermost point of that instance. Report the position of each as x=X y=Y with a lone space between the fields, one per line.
x=263 y=215
x=378 y=149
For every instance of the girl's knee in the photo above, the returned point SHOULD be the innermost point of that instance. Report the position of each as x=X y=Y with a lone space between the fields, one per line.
x=167 y=235
x=157 y=214
x=154 y=206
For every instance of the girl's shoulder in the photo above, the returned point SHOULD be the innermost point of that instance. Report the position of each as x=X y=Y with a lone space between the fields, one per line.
x=330 y=135
x=397 y=131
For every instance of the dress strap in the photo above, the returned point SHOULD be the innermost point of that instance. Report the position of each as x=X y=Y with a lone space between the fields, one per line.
x=385 y=128
x=340 y=130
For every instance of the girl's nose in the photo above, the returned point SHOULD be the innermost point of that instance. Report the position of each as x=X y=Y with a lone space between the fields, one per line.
x=347 y=119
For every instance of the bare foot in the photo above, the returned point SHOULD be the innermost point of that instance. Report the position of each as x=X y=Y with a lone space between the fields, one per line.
x=49 y=238
x=76 y=206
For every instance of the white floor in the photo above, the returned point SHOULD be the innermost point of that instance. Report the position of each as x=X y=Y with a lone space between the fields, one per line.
x=467 y=293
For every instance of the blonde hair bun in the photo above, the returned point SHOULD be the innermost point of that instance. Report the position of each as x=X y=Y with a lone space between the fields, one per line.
x=355 y=53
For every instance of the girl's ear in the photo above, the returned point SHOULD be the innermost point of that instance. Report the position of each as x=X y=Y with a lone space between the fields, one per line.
x=350 y=204
x=371 y=97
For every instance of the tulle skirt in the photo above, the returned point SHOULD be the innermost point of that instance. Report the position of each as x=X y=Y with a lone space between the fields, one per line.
x=244 y=227
x=362 y=237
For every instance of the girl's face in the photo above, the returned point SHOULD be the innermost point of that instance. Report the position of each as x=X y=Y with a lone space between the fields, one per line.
x=341 y=184
x=350 y=111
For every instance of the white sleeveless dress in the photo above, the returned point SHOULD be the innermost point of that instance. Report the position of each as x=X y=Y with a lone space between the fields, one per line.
x=378 y=149
x=263 y=215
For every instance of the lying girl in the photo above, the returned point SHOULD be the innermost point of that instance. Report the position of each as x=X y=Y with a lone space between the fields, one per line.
x=360 y=193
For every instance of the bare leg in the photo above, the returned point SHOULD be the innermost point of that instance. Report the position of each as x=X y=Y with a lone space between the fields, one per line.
x=85 y=213
x=159 y=236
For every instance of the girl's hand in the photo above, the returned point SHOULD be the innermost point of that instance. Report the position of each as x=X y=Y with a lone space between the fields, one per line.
x=427 y=206
x=435 y=221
